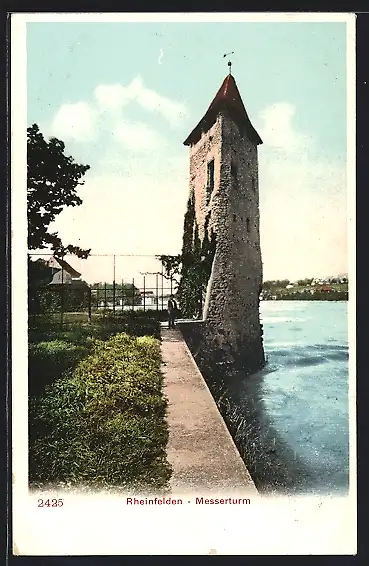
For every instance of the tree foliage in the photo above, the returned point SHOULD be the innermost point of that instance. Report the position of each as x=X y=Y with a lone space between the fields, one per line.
x=126 y=292
x=275 y=283
x=44 y=298
x=172 y=265
x=39 y=275
x=197 y=260
x=52 y=181
x=304 y=282
x=39 y=272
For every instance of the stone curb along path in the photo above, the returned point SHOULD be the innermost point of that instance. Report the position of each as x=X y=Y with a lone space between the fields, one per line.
x=200 y=448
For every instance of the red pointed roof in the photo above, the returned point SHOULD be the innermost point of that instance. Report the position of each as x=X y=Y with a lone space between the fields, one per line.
x=228 y=96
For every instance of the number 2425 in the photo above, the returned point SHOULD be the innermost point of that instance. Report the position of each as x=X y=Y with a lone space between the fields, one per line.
x=50 y=503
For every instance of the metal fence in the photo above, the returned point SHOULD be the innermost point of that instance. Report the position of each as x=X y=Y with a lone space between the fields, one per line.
x=102 y=283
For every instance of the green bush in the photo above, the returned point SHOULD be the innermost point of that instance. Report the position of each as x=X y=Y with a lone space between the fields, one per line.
x=42 y=329
x=134 y=326
x=47 y=361
x=53 y=350
x=150 y=314
x=105 y=424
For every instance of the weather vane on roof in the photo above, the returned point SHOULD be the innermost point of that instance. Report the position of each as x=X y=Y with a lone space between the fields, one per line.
x=229 y=62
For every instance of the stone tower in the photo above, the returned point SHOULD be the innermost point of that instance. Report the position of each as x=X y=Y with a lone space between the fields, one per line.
x=224 y=182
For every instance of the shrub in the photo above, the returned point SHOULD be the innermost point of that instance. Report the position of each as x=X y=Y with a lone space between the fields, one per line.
x=54 y=350
x=47 y=361
x=139 y=324
x=104 y=424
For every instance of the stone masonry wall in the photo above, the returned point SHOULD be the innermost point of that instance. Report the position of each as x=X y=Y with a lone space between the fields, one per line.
x=208 y=147
x=232 y=305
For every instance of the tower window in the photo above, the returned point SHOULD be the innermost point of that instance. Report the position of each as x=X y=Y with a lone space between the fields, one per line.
x=234 y=172
x=248 y=225
x=234 y=217
x=253 y=184
x=210 y=180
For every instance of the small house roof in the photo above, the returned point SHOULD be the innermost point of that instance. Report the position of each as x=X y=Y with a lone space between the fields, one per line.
x=228 y=97
x=62 y=264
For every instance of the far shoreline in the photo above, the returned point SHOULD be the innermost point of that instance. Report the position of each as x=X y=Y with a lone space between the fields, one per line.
x=305 y=300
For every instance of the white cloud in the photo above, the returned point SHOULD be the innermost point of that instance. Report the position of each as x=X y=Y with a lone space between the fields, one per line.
x=172 y=111
x=111 y=97
x=105 y=115
x=75 y=122
x=137 y=136
x=114 y=97
x=278 y=130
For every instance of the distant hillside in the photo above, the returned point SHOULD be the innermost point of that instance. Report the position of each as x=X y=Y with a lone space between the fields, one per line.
x=329 y=289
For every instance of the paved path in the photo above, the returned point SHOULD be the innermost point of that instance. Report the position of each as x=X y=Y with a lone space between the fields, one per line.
x=200 y=449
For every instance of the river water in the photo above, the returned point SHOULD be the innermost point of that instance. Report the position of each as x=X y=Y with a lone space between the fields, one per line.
x=303 y=390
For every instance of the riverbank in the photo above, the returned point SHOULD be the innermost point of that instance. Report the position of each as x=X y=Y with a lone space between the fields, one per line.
x=200 y=450
x=326 y=292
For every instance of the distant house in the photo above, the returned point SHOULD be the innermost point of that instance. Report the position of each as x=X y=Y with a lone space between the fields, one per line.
x=64 y=274
x=148 y=298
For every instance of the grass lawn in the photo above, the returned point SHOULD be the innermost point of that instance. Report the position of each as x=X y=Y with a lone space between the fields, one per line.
x=97 y=411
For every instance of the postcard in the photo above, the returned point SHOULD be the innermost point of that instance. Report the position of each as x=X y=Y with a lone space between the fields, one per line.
x=183 y=284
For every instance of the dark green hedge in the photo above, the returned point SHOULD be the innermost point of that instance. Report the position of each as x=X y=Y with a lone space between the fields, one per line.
x=42 y=328
x=48 y=361
x=104 y=425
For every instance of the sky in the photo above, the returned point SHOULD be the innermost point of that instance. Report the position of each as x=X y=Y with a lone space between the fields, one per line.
x=124 y=96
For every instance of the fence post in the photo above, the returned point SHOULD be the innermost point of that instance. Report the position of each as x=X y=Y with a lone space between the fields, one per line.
x=133 y=293
x=89 y=303
x=144 y=292
x=105 y=305
x=122 y=296
x=62 y=299
x=157 y=292
x=114 y=286
x=97 y=297
x=162 y=289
